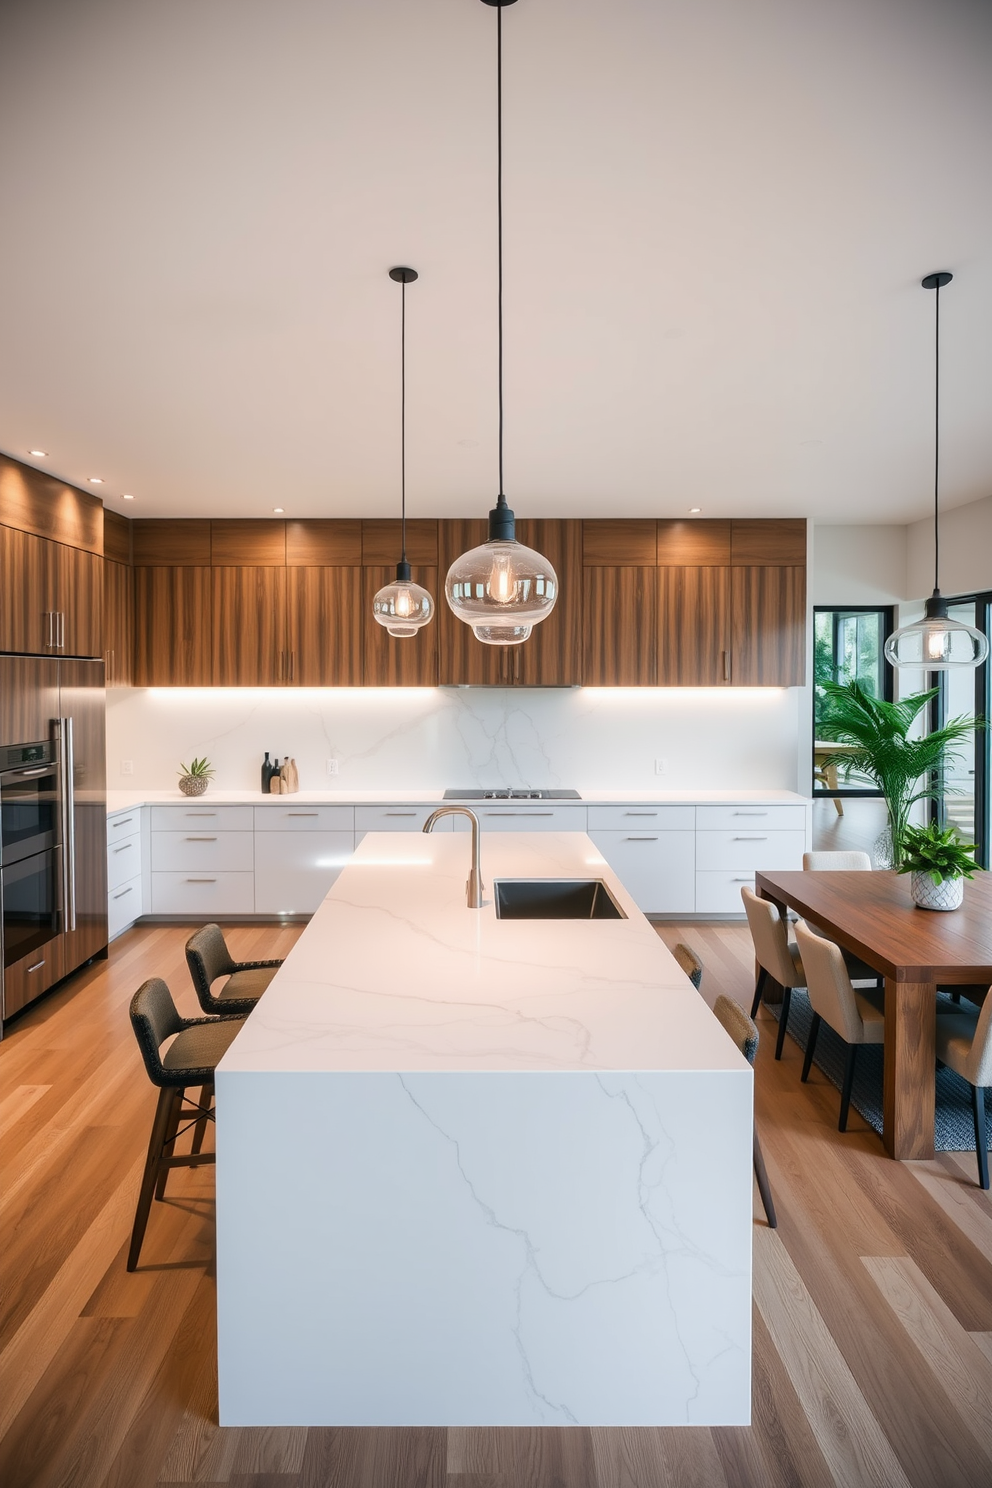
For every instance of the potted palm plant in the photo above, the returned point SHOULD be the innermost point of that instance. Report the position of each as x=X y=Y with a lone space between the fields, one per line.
x=877 y=744
x=939 y=863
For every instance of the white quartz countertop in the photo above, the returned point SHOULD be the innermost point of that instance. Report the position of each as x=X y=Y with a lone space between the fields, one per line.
x=395 y=973
x=119 y=800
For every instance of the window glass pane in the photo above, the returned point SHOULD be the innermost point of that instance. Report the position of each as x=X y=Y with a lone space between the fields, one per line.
x=959 y=682
x=847 y=644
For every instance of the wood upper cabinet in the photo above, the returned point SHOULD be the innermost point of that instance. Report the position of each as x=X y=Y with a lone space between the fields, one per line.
x=694 y=632
x=79 y=601
x=172 y=626
x=619 y=603
x=769 y=626
x=324 y=626
x=118 y=623
x=388 y=660
x=250 y=647
x=51 y=597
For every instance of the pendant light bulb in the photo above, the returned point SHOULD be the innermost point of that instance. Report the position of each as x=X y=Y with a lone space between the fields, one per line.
x=936 y=643
x=501 y=589
x=403 y=607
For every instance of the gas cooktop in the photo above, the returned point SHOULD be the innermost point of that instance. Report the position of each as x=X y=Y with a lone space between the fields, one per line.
x=512 y=795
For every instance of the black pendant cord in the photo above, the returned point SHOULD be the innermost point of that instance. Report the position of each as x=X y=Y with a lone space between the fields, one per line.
x=501 y=499
x=403 y=422
x=936 y=438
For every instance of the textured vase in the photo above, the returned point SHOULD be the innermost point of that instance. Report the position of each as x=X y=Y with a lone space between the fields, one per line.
x=928 y=895
x=193 y=785
x=882 y=854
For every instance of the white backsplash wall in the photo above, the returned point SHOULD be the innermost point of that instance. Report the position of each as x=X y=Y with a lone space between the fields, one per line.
x=387 y=739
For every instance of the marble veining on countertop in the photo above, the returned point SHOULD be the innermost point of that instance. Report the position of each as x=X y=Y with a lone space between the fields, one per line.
x=121 y=800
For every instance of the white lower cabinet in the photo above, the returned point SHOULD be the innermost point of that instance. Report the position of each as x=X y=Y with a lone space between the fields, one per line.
x=524 y=818
x=656 y=868
x=124 y=870
x=294 y=869
x=718 y=891
x=124 y=906
x=396 y=818
x=202 y=895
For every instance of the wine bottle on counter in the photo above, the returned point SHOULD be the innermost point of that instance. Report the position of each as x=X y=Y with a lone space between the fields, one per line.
x=275 y=783
x=267 y=771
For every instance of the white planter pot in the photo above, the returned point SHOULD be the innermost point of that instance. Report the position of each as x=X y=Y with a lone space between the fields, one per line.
x=928 y=895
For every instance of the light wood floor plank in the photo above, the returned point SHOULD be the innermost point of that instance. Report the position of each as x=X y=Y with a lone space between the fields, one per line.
x=627 y=1458
x=14 y=1106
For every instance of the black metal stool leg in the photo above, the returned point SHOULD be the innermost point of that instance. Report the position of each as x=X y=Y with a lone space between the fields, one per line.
x=764 y=1188
x=204 y=1102
x=168 y=1101
x=168 y=1139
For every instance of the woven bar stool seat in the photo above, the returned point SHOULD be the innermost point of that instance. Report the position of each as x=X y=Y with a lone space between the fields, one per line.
x=209 y=959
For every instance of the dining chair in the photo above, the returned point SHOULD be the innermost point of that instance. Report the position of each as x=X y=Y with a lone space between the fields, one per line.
x=744 y=1033
x=857 y=1017
x=836 y=862
x=191 y=1059
x=777 y=956
x=964 y=1044
x=209 y=959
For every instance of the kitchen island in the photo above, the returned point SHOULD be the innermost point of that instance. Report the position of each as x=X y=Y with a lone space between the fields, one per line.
x=475 y=1171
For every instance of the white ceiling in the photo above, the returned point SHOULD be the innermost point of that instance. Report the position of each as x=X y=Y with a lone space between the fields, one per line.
x=717 y=217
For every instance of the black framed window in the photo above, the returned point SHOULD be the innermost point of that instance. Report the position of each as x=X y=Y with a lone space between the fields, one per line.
x=963 y=690
x=848 y=643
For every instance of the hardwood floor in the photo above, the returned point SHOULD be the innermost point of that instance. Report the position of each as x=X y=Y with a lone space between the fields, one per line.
x=872 y=1316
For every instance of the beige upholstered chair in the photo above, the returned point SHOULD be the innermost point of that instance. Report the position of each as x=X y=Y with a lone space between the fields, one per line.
x=209 y=959
x=777 y=956
x=744 y=1033
x=856 y=1016
x=191 y=1059
x=964 y=1044
x=836 y=862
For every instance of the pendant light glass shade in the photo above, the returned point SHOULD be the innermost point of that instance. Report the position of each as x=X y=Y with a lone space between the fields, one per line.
x=936 y=643
x=403 y=607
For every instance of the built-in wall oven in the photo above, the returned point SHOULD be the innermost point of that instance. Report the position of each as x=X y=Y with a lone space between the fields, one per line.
x=31 y=865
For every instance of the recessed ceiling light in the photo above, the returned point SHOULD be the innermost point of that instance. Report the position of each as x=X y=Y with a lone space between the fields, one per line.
x=41 y=454
x=125 y=497
x=96 y=480
x=278 y=508
x=693 y=509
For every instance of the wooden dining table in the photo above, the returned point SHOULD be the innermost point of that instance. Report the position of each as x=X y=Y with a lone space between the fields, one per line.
x=916 y=950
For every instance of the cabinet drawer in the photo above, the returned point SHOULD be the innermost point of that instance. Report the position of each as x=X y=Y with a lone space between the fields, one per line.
x=123 y=906
x=294 y=870
x=525 y=819
x=206 y=849
x=124 y=824
x=633 y=818
x=656 y=868
x=744 y=817
x=123 y=861
x=33 y=974
x=203 y=895
x=398 y=818
x=744 y=848
x=304 y=818
x=720 y=892
x=223 y=818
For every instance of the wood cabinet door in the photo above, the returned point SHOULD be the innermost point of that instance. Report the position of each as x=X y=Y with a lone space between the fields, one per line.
x=172 y=627
x=27 y=593
x=118 y=614
x=79 y=593
x=462 y=660
x=694 y=635
x=769 y=626
x=249 y=627
x=620 y=626
x=552 y=656
x=324 y=626
x=413 y=660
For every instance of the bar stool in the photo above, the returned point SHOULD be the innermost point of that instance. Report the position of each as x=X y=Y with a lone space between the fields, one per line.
x=208 y=959
x=190 y=1059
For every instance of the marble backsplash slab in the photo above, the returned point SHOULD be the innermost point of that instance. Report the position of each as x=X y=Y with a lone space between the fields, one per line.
x=399 y=738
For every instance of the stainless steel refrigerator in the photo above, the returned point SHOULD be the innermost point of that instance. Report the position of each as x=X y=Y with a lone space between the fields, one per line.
x=53 y=813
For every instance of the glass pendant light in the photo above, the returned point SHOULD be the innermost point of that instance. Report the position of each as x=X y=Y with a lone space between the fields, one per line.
x=403 y=607
x=501 y=589
x=936 y=643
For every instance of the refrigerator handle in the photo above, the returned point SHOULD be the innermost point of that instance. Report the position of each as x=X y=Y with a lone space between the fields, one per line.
x=67 y=764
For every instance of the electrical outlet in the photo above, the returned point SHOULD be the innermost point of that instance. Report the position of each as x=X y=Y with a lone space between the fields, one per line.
x=332 y=767
x=661 y=766
x=127 y=767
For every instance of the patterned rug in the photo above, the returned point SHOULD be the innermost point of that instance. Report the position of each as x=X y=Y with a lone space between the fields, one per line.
x=954 y=1124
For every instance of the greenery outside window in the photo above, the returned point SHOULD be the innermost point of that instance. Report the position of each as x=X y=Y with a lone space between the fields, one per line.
x=848 y=646
x=962 y=691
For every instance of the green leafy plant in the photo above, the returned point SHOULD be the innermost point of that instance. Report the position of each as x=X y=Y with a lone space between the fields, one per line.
x=904 y=769
x=200 y=769
x=937 y=851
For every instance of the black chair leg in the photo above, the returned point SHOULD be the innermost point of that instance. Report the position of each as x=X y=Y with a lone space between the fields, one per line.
x=845 y=1095
x=814 y=1029
x=168 y=1102
x=981 y=1135
x=783 y=1021
x=167 y=1141
x=759 y=988
x=764 y=1187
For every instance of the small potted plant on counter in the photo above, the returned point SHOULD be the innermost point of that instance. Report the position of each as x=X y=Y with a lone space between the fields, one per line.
x=194 y=778
x=939 y=863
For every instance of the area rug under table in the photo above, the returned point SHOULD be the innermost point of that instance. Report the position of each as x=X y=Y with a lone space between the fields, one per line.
x=954 y=1126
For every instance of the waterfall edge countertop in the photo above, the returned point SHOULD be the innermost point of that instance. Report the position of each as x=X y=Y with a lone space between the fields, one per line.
x=481 y=1172
x=395 y=973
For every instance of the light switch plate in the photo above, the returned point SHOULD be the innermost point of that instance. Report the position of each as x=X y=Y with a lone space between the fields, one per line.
x=127 y=767
x=661 y=766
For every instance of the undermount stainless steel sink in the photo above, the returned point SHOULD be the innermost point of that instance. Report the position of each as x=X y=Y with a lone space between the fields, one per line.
x=555 y=899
